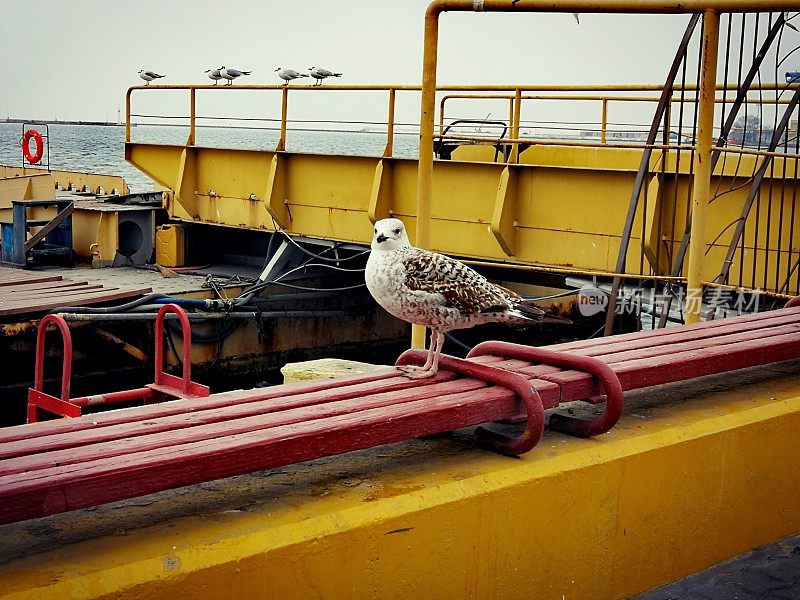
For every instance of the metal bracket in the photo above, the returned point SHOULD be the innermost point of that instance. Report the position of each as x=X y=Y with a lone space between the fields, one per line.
x=510 y=446
x=588 y=364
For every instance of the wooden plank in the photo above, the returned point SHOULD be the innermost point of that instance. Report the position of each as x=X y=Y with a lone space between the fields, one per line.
x=44 y=304
x=23 y=296
x=41 y=285
x=7 y=279
x=751 y=319
x=688 y=364
x=174 y=431
x=614 y=350
x=58 y=489
x=179 y=420
x=114 y=417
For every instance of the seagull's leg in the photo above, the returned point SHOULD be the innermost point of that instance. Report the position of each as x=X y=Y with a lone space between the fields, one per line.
x=439 y=345
x=431 y=364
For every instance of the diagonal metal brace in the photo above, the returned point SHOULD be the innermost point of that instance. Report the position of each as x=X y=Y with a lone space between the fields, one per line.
x=608 y=379
x=510 y=446
x=44 y=231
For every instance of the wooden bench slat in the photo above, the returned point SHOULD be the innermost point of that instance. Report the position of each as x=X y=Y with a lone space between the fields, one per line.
x=172 y=432
x=399 y=386
x=58 y=489
x=114 y=417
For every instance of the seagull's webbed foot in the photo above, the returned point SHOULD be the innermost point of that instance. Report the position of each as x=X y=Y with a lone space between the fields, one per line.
x=415 y=372
x=431 y=365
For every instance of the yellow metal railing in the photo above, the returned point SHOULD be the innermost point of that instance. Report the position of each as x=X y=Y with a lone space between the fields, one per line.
x=515 y=95
x=710 y=9
x=285 y=90
x=605 y=100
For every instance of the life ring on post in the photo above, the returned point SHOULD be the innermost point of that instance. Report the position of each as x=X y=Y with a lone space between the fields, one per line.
x=38 y=143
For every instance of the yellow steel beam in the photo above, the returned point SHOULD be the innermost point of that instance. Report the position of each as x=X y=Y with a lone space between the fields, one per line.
x=702 y=167
x=91 y=182
x=390 y=125
x=505 y=211
x=284 y=112
x=192 y=117
x=667 y=492
x=336 y=197
x=514 y=156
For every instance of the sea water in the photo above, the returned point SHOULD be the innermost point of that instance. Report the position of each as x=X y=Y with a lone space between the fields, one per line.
x=101 y=148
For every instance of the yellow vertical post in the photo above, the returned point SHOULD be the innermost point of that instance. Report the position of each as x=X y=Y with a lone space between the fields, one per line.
x=128 y=115
x=425 y=170
x=192 y=114
x=284 y=106
x=702 y=166
x=390 y=125
x=604 y=121
x=514 y=156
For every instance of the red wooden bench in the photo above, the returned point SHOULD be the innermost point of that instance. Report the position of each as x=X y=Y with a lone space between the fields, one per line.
x=67 y=464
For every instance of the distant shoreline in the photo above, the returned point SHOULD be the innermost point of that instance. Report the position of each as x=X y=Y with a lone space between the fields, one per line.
x=57 y=122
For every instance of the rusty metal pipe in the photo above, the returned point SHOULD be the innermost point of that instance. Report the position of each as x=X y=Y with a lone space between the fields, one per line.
x=113 y=397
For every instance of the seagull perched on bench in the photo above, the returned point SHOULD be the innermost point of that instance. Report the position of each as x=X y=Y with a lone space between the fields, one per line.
x=438 y=292
x=148 y=76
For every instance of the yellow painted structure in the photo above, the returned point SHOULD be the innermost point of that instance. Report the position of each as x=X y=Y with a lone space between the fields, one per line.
x=65 y=180
x=689 y=477
x=558 y=207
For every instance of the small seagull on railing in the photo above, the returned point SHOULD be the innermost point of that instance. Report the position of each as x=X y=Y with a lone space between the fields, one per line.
x=148 y=76
x=231 y=74
x=288 y=74
x=319 y=74
x=215 y=74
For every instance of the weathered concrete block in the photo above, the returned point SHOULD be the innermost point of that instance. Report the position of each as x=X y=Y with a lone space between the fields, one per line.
x=324 y=368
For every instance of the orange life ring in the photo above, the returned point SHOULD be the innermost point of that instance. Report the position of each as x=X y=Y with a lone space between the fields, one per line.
x=26 y=151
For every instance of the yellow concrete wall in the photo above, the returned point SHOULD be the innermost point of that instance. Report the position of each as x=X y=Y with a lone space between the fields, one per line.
x=672 y=489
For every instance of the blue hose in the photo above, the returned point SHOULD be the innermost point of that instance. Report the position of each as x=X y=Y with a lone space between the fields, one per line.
x=182 y=302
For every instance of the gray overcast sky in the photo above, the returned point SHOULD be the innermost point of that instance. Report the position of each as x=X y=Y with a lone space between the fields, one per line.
x=75 y=59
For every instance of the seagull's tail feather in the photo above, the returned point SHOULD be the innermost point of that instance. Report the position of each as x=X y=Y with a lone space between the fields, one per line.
x=534 y=313
x=337 y=74
x=246 y=72
x=304 y=75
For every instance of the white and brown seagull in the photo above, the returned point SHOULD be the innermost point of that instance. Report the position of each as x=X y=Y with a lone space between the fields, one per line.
x=438 y=292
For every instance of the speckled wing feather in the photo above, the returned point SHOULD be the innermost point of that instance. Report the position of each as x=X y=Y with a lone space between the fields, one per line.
x=462 y=288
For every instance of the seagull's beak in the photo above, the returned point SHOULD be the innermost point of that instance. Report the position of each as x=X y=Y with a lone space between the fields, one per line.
x=381 y=238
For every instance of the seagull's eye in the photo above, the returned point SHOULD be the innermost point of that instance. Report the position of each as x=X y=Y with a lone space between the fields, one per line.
x=397 y=231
